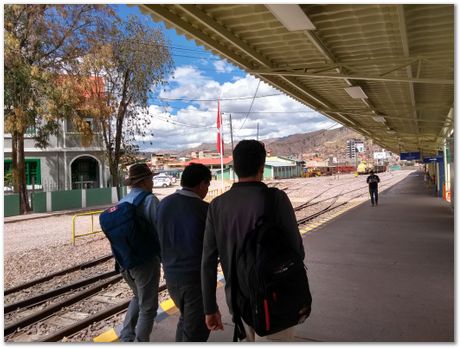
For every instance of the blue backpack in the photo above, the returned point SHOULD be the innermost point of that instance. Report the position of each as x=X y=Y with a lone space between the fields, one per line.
x=127 y=232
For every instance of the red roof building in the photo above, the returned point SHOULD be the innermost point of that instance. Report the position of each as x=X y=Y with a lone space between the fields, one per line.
x=212 y=162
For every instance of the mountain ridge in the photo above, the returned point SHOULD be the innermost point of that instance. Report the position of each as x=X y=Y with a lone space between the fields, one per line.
x=320 y=143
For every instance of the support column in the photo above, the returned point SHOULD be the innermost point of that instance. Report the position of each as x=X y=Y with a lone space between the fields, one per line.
x=48 y=201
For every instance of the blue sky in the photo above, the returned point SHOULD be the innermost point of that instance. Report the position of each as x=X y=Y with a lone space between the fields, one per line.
x=184 y=111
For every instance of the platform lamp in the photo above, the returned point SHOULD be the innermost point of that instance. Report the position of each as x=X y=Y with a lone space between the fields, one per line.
x=291 y=16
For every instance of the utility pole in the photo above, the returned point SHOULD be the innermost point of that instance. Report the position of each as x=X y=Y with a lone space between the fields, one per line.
x=231 y=138
x=257 y=131
x=356 y=158
x=231 y=131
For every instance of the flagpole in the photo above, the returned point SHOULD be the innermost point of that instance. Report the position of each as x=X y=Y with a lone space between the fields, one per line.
x=222 y=155
x=220 y=143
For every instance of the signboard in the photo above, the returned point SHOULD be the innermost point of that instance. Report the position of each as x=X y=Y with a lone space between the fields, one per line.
x=380 y=155
x=409 y=156
x=430 y=159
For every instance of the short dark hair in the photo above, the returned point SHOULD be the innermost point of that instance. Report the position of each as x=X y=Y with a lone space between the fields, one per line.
x=193 y=174
x=248 y=157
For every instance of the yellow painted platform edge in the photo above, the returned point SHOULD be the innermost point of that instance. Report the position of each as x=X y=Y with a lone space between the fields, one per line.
x=168 y=307
x=108 y=336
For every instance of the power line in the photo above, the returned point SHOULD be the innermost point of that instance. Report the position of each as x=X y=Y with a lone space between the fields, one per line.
x=209 y=100
x=271 y=112
x=250 y=107
x=155 y=46
x=253 y=112
x=178 y=123
x=204 y=57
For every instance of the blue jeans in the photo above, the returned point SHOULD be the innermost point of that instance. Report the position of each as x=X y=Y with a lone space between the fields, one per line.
x=374 y=195
x=189 y=299
x=143 y=281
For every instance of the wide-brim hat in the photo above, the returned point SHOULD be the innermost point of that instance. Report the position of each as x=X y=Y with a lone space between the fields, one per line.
x=138 y=172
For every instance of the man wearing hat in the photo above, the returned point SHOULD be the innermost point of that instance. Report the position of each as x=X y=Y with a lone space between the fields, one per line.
x=144 y=278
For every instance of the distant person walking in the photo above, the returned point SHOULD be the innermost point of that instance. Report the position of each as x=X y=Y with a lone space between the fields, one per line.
x=231 y=217
x=130 y=227
x=181 y=222
x=373 y=181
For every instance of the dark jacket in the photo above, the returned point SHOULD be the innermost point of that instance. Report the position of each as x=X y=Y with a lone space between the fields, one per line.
x=230 y=217
x=181 y=220
x=373 y=181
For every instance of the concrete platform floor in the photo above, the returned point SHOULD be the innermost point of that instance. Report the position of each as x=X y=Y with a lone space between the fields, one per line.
x=377 y=274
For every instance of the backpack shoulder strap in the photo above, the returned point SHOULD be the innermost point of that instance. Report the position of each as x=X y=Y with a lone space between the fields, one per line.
x=269 y=205
x=140 y=198
x=239 y=333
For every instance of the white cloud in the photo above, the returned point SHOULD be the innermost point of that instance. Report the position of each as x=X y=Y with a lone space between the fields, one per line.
x=190 y=123
x=222 y=66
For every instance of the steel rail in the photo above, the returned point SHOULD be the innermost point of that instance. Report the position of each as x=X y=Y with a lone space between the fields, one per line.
x=58 y=306
x=321 y=212
x=53 y=293
x=72 y=329
x=306 y=204
x=329 y=208
x=55 y=274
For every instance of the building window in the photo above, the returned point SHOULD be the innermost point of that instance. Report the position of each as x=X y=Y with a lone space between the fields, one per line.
x=32 y=170
x=31 y=130
x=89 y=121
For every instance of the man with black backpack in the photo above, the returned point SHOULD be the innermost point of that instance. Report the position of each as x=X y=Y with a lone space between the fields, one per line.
x=253 y=231
x=130 y=228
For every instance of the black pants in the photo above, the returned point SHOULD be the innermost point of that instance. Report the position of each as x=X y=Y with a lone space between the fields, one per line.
x=189 y=299
x=374 y=193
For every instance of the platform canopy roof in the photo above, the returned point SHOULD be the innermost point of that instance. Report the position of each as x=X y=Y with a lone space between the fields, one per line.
x=386 y=71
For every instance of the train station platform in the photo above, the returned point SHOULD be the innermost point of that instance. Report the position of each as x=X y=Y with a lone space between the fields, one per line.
x=377 y=274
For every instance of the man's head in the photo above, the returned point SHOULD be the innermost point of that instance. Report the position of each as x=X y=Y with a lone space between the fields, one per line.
x=371 y=172
x=196 y=177
x=140 y=175
x=249 y=158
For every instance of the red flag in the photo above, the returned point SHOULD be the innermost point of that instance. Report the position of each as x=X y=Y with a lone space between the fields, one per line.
x=220 y=140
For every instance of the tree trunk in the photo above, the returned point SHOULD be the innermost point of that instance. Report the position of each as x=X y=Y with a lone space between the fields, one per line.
x=21 y=170
x=115 y=178
x=14 y=160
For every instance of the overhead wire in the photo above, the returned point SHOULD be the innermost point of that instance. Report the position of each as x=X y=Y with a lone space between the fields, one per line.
x=250 y=107
x=216 y=99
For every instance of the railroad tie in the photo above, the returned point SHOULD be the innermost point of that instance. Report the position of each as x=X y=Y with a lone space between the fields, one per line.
x=166 y=309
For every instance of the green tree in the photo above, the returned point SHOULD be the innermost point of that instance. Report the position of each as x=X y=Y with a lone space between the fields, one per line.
x=133 y=60
x=42 y=42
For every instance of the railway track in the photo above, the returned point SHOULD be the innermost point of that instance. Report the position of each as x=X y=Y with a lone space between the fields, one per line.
x=363 y=191
x=69 y=310
x=78 y=267
x=31 y=302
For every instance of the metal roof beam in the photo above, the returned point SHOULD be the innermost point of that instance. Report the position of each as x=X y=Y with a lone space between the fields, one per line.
x=198 y=15
x=222 y=50
x=278 y=72
x=405 y=45
x=399 y=61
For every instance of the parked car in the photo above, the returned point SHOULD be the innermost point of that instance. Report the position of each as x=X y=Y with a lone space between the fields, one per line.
x=161 y=181
x=171 y=177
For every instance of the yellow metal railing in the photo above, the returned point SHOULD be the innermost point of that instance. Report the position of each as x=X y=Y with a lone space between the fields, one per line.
x=214 y=193
x=92 y=231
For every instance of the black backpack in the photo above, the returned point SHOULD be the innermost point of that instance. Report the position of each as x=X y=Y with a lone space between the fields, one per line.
x=126 y=232
x=270 y=289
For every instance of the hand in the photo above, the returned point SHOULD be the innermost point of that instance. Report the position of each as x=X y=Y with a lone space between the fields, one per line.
x=214 y=321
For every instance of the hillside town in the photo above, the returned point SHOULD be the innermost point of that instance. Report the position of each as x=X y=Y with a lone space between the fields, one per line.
x=337 y=154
